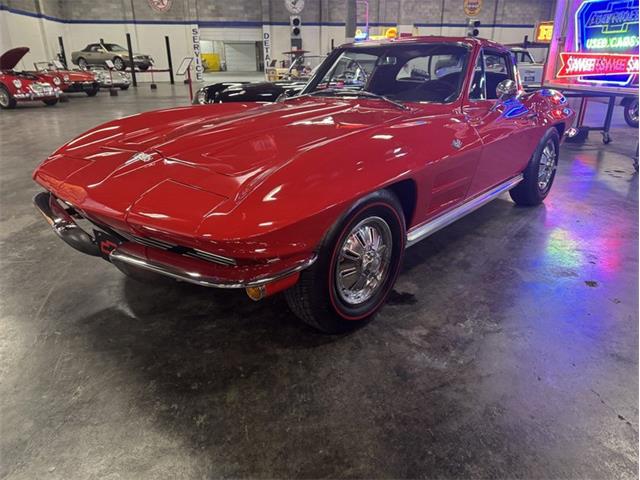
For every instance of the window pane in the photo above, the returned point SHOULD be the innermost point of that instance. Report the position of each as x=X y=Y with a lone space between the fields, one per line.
x=497 y=69
x=419 y=73
x=477 y=90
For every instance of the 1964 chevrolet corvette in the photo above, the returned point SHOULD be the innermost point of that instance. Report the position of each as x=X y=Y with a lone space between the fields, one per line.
x=319 y=194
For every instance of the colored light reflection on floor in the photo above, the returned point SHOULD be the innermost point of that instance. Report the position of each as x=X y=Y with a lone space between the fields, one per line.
x=562 y=250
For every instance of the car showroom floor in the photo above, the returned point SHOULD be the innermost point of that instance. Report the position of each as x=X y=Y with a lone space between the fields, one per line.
x=509 y=347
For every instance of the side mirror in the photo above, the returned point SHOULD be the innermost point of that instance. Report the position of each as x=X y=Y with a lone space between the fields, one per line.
x=506 y=89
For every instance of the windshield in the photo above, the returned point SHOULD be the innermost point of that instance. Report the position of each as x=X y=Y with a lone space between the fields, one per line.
x=413 y=73
x=112 y=47
x=524 y=57
x=305 y=66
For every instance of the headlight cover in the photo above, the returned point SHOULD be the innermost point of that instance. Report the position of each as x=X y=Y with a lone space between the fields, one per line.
x=66 y=77
x=56 y=80
x=17 y=83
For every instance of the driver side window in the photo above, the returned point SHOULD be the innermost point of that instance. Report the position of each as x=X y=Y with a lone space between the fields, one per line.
x=478 y=89
x=491 y=68
x=497 y=67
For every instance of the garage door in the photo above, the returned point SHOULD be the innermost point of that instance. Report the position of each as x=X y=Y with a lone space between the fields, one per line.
x=240 y=56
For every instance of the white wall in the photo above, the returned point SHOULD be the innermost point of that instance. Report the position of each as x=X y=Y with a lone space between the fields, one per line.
x=41 y=36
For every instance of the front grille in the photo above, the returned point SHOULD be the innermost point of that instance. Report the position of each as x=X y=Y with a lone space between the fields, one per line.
x=180 y=250
x=210 y=257
x=152 y=242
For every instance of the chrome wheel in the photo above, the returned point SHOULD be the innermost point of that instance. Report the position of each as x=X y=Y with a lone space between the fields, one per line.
x=4 y=98
x=547 y=165
x=363 y=262
x=118 y=64
x=82 y=63
x=633 y=111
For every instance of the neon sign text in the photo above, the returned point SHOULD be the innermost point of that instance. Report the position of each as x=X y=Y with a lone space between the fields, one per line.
x=577 y=64
x=627 y=42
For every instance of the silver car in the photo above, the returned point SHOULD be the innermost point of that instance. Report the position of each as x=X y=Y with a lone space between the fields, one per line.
x=99 y=53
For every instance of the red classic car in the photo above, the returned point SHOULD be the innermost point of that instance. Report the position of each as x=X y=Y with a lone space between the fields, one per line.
x=24 y=86
x=318 y=194
x=71 y=81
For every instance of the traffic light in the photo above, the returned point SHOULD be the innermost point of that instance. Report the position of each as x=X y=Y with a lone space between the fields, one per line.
x=296 y=25
x=472 y=28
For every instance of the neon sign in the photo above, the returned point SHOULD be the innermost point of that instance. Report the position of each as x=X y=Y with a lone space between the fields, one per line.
x=624 y=43
x=601 y=64
x=544 y=32
x=604 y=26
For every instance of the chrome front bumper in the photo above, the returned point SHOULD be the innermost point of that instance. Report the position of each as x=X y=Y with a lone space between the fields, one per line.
x=37 y=96
x=130 y=254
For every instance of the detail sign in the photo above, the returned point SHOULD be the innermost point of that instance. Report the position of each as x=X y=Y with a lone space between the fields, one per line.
x=601 y=64
x=605 y=27
x=472 y=7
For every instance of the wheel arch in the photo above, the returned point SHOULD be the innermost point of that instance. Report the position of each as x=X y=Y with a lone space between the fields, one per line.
x=407 y=193
x=560 y=127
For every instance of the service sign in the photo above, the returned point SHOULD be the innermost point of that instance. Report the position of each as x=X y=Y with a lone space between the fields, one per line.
x=605 y=29
x=472 y=7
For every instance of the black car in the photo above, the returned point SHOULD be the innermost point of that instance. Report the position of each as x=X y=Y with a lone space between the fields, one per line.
x=247 y=91
x=301 y=70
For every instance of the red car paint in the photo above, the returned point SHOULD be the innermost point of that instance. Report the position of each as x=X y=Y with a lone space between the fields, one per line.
x=262 y=184
x=33 y=85
x=72 y=81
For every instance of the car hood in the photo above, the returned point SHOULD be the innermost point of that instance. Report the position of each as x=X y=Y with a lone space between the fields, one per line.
x=77 y=76
x=205 y=156
x=10 y=58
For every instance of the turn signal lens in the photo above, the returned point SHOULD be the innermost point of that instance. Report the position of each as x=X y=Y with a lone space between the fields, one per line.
x=256 y=293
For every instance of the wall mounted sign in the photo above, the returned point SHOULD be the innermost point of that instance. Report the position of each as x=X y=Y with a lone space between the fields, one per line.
x=160 y=5
x=544 y=32
x=195 y=41
x=606 y=27
x=577 y=64
x=472 y=7
x=294 y=7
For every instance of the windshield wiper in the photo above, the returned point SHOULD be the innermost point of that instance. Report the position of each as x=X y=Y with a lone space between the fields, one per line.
x=358 y=93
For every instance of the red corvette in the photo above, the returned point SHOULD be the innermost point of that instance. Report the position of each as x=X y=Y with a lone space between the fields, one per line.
x=24 y=86
x=318 y=194
x=70 y=81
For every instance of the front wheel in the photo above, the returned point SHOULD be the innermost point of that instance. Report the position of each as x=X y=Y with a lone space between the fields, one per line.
x=143 y=68
x=124 y=87
x=358 y=262
x=93 y=92
x=82 y=63
x=49 y=102
x=6 y=99
x=631 y=113
x=540 y=172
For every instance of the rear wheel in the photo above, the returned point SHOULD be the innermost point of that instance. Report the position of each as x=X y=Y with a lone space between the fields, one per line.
x=49 y=102
x=540 y=172
x=358 y=262
x=631 y=113
x=118 y=63
x=143 y=68
x=124 y=87
x=6 y=99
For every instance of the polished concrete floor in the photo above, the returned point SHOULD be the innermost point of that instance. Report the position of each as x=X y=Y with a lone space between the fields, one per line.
x=509 y=348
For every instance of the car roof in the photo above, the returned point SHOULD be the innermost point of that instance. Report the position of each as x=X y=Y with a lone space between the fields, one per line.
x=426 y=39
